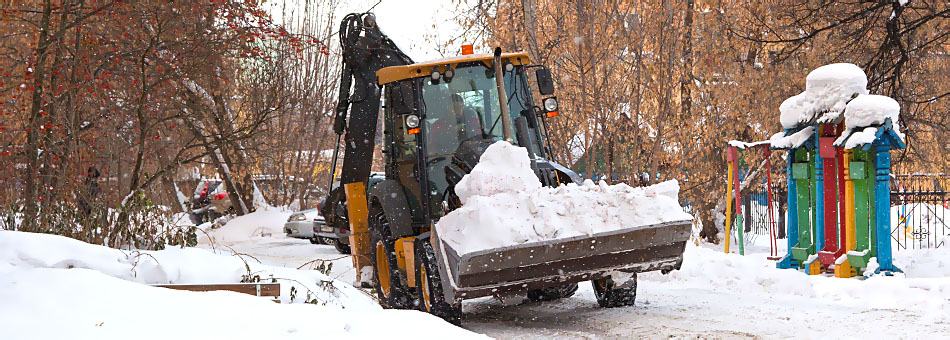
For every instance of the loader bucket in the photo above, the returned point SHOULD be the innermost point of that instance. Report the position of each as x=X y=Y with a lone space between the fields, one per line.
x=561 y=261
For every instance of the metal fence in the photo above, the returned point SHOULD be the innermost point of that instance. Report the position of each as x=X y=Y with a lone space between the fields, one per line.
x=755 y=218
x=920 y=211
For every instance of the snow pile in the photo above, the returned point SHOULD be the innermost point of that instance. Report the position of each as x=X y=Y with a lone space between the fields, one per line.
x=827 y=92
x=503 y=168
x=862 y=114
x=923 y=288
x=780 y=140
x=94 y=292
x=261 y=223
x=493 y=215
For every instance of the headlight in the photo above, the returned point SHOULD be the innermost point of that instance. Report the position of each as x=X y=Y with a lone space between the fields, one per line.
x=412 y=121
x=299 y=217
x=550 y=104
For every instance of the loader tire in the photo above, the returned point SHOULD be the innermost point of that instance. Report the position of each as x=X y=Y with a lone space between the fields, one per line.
x=610 y=296
x=552 y=293
x=388 y=282
x=429 y=287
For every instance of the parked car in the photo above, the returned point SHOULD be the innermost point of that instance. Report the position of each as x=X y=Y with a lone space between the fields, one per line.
x=302 y=224
x=209 y=201
x=337 y=226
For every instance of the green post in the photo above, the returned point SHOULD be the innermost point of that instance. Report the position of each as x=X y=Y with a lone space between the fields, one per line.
x=802 y=173
x=862 y=207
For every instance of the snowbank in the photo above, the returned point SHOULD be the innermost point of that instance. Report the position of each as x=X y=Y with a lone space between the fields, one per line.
x=94 y=292
x=495 y=216
x=827 y=92
x=923 y=287
x=263 y=222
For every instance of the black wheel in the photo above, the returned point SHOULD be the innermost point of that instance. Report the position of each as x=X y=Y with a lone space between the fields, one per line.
x=609 y=295
x=388 y=283
x=552 y=293
x=341 y=247
x=315 y=240
x=429 y=287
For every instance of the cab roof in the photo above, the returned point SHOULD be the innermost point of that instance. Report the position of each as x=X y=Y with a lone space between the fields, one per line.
x=424 y=69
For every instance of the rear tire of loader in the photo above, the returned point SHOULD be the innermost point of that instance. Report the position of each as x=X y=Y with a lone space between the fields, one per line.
x=552 y=293
x=610 y=296
x=429 y=286
x=388 y=282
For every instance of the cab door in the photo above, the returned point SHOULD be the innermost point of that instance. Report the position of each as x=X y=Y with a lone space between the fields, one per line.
x=401 y=143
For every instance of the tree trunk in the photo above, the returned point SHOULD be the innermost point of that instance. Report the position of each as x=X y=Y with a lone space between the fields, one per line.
x=31 y=148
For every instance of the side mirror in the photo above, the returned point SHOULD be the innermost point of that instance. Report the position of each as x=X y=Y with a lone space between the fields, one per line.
x=545 y=83
x=401 y=95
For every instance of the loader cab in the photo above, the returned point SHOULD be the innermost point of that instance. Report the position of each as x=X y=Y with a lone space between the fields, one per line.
x=439 y=114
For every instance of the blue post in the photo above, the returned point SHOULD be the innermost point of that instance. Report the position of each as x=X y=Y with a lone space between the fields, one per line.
x=791 y=224
x=882 y=209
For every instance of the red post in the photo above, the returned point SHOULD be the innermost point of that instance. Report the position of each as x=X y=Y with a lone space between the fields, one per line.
x=827 y=152
x=773 y=252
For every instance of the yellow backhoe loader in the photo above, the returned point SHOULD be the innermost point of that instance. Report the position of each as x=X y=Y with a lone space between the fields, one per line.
x=438 y=118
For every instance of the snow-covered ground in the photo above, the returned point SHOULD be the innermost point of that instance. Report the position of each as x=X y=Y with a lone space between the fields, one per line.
x=52 y=287
x=714 y=295
x=718 y=295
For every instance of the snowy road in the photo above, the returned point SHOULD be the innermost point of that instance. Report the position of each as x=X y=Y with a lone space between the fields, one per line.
x=714 y=296
x=685 y=313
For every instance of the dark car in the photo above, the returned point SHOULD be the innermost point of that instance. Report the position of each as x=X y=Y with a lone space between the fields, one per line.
x=337 y=226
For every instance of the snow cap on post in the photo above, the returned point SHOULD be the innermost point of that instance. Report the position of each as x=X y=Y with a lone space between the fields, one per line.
x=863 y=116
x=827 y=91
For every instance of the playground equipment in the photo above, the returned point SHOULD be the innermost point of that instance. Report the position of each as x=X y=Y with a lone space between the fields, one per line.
x=838 y=173
x=733 y=194
x=839 y=202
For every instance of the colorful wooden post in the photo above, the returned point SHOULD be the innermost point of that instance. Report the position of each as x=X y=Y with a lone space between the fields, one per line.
x=732 y=156
x=842 y=264
x=801 y=174
x=773 y=252
x=818 y=203
x=826 y=150
x=791 y=232
x=882 y=202
x=738 y=190
x=859 y=256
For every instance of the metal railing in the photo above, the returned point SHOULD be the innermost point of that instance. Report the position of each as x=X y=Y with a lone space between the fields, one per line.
x=920 y=211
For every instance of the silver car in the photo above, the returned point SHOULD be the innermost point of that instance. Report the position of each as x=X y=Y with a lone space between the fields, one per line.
x=301 y=224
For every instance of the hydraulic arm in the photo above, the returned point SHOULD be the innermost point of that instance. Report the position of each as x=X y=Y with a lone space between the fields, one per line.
x=365 y=50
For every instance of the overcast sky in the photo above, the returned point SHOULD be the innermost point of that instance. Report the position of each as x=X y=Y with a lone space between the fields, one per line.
x=407 y=22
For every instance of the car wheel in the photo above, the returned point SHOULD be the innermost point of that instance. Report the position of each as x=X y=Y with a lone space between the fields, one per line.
x=342 y=248
x=315 y=240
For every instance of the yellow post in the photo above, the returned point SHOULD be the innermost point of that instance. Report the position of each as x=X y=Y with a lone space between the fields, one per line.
x=844 y=268
x=359 y=228
x=728 y=205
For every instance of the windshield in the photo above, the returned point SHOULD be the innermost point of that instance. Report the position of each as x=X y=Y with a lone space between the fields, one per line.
x=468 y=108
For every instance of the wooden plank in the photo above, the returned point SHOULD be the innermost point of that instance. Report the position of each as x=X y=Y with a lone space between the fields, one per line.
x=257 y=289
